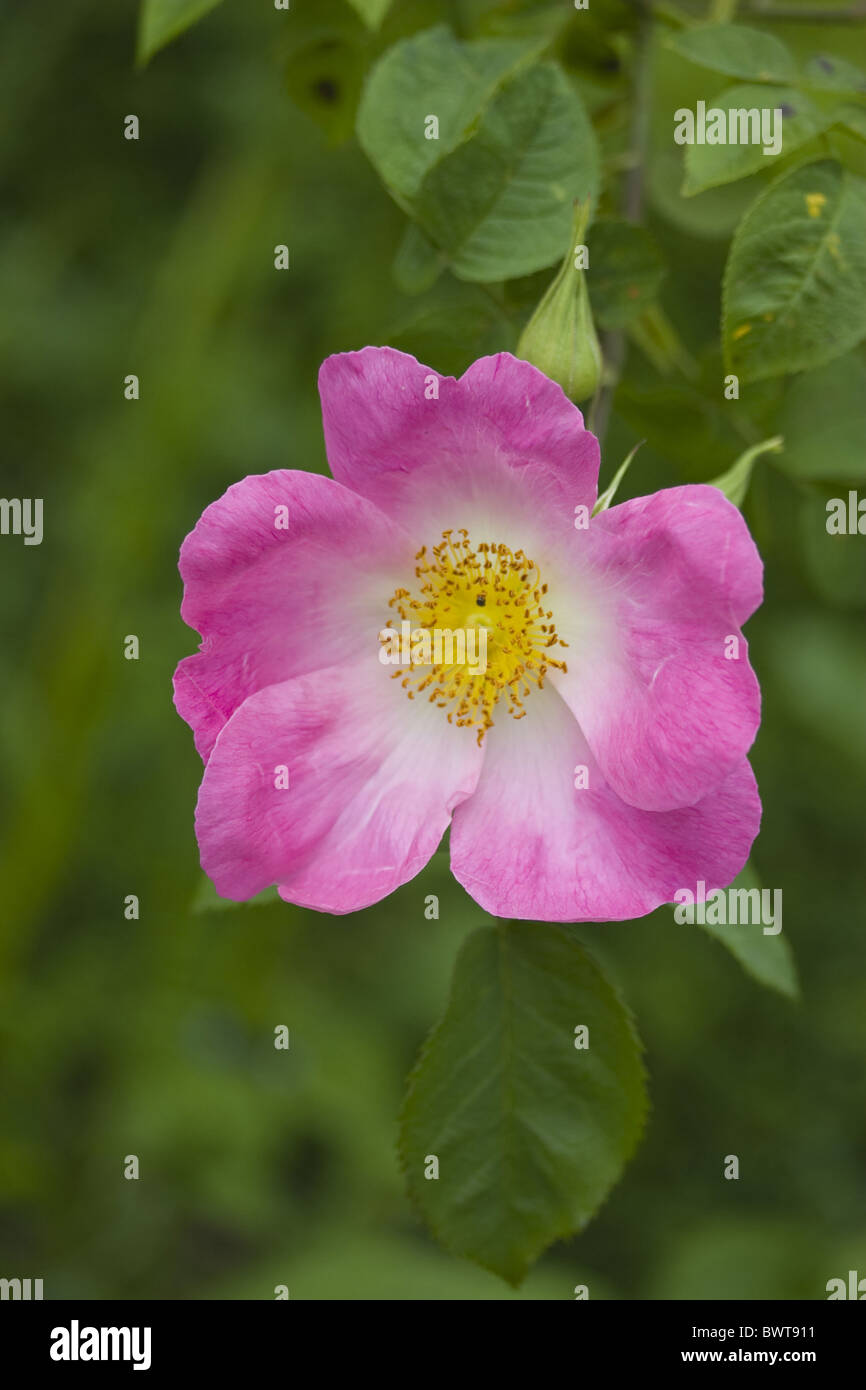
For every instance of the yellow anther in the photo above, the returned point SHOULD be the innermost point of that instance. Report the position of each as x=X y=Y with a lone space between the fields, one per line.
x=462 y=588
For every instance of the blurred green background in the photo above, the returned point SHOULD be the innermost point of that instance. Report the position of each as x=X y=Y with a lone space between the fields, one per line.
x=155 y=1037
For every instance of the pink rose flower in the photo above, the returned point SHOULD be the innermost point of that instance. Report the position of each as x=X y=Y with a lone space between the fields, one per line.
x=594 y=767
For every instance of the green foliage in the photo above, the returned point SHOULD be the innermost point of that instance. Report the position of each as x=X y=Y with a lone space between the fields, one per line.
x=767 y=957
x=326 y=56
x=417 y=264
x=431 y=73
x=530 y=1130
x=738 y=51
x=835 y=565
x=851 y=119
x=823 y=417
x=795 y=282
x=514 y=150
x=160 y=21
x=627 y=270
x=830 y=73
x=607 y=498
x=156 y=1035
x=710 y=165
x=206 y=898
x=371 y=11
x=735 y=482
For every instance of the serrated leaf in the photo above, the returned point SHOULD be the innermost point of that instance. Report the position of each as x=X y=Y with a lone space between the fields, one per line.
x=795 y=280
x=160 y=21
x=500 y=205
x=530 y=1132
x=708 y=166
x=371 y=11
x=736 y=50
x=735 y=482
x=625 y=272
x=514 y=149
x=767 y=958
x=429 y=74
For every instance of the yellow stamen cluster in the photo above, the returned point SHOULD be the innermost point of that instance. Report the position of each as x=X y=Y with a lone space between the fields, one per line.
x=487 y=586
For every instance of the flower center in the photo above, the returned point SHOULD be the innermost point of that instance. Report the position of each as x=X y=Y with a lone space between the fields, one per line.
x=488 y=593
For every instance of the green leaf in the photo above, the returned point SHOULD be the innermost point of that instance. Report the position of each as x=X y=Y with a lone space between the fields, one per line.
x=371 y=11
x=430 y=74
x=767 y=958
x=712 y=215
x=417 y=264
x=827 y=73
x=795 y=281
x=735 y=483
x=455 y=330
x=707 y=166
x=851 y=118
x=625 y=271
x=681 y=424
x=530 y=1132
x=160 y=21
x=737 y=51
x=823 y=417
x=501 y=204
x=515 y=148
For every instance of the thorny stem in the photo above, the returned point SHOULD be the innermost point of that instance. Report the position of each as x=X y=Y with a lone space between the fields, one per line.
x=613 y=344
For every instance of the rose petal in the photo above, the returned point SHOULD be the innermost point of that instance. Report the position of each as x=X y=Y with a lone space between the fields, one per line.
x=503 y=436
x=528 y=844
x=373 y=779
x=669 y=579
x=272 y=603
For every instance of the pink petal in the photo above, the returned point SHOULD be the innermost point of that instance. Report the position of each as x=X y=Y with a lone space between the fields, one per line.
x=373 y=779
x=271 y=604
x=502 y=437
x=528 y=844
x=672 y=577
